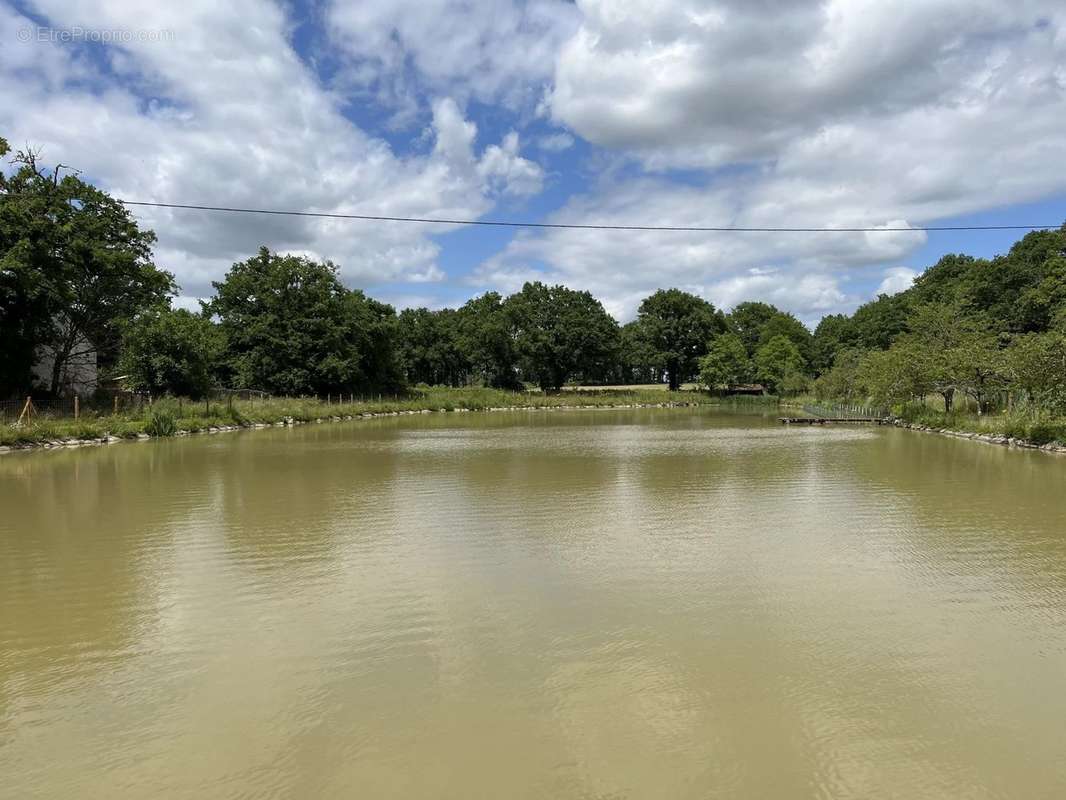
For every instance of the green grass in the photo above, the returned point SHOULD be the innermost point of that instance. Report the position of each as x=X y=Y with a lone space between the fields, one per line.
x=1037 y=428
x=168 y=416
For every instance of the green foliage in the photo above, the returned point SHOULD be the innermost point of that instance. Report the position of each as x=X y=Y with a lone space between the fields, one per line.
x=747 y=320
x=484 y=337
x=1036 y=364
x=560 y=333
x=778 y=358
x=160 y=422
x=726 y=363
x=175 y=352
x=843 y=381
x=74 y=268
x=875 y=325
x=832 y=335
x=636 y=359
x=292 y=328
x=783 y=324
x=676 y=327
x=429 y=347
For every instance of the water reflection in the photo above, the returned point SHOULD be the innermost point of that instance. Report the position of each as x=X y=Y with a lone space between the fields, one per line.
x=569 y=604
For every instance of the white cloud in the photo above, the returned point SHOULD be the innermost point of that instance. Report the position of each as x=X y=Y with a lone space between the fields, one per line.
x=695 y=83
x=799 y=271
x=233 y=117
x=492 y=50
x=555 y=142
x=797 y=114
x=824 y=114
x=897 y=279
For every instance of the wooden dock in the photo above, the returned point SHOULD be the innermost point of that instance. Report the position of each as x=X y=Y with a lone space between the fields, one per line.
x=831 y=421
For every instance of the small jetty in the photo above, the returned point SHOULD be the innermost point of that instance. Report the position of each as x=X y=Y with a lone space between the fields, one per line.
x=837 y=415
x=831 y=420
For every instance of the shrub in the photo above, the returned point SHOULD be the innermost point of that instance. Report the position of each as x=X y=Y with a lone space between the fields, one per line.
x=161 y=422
x=1047 y=432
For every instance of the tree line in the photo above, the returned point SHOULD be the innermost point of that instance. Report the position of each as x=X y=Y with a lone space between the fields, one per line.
x=77 y=271
x=992 y=331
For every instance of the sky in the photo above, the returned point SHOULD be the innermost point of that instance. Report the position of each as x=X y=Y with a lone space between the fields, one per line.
x=749 y=113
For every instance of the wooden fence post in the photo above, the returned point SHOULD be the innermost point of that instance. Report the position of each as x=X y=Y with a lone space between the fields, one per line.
x=115 y=409
x=77 y=410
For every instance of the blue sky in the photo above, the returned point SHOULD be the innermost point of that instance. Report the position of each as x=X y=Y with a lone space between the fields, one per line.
x=809 y=114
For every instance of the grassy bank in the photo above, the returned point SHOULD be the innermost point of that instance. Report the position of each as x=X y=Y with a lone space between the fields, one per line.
x=1036 y=429
x=171 y=416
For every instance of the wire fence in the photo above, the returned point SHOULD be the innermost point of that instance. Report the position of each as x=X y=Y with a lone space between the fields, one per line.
x=102 y=401
x=844 y=411
x=114 y=401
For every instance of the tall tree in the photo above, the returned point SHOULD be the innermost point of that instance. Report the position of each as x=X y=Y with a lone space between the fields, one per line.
x=776 y=360
x=560 y=333
x=429 y=347
x=875 y=325
x=832 y=335
x=726 y=363
x=292 y=328
x=676 y=327
x=75 y=268
x=636 y=361
x=486 y=343
x=785 y=324
x=747 y=321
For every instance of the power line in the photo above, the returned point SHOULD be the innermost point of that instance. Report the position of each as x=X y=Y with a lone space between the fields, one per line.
x=576 y=226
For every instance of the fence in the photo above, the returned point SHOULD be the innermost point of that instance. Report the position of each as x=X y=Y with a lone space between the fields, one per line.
x=835 y=411
x=103 y=401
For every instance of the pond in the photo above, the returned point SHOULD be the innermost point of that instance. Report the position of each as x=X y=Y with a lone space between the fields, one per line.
x=569 y=604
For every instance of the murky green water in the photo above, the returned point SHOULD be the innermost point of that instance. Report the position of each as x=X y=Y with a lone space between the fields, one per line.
x=592 y=604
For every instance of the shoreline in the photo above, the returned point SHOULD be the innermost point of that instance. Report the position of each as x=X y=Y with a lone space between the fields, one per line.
x=987 y=438
x=289 y=422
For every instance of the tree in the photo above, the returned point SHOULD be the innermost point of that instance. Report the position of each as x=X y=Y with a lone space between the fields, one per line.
x=636 y=360
x=429 y=348
x=898 y=375
x=978 y=367
x=292 y=328
x=832 y=335
x=843 y=380
x=875 y=325
x=776 y=359
x=676 y=327
x=485 y=341
x=175 y=352
x=75 y=268
x=784 y=324
x=560 y=333
x=1036 y=365
x=747 y=321
x=726 y=363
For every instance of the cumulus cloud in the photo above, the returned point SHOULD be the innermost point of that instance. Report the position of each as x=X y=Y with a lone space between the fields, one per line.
x=709 y=83
x=491 y=50
x=799 y=114
x=799 y=270
x=224 y=112
x=805 y=113
x=896 y=280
